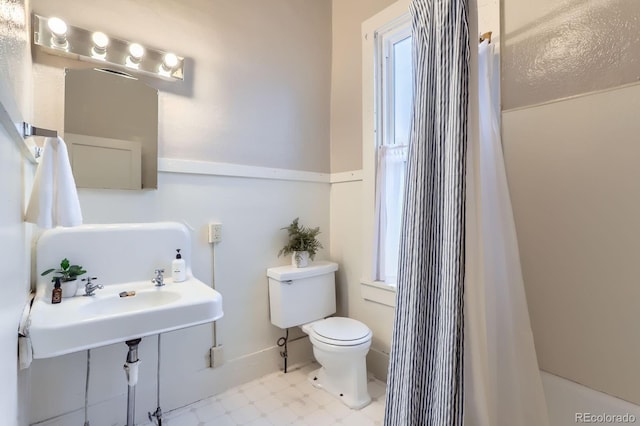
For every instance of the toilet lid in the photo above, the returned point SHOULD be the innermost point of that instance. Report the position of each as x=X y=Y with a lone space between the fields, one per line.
x=341 y=329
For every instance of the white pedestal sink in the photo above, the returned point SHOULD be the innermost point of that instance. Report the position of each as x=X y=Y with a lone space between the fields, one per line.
x=124 y=258
x=80 y=322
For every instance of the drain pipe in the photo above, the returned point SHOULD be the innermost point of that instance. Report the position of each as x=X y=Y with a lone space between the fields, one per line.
x=214 y=238
x=131 y=370
x=282 y=343
x=158 y=413
x=86 y=390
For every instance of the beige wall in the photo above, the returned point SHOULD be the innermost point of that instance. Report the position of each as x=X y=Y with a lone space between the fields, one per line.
x=574 y=178
x=257 y=82
x=573 y=174
x=557 y=49
x=489 y=18
x=346 y=80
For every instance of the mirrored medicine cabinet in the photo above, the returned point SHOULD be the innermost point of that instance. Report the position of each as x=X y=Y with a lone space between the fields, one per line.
x=111 y=129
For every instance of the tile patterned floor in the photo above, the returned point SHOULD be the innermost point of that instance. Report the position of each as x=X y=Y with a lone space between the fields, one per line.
x=279 y=399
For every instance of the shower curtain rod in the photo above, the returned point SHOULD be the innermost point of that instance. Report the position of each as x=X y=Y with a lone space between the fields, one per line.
x=486 y=36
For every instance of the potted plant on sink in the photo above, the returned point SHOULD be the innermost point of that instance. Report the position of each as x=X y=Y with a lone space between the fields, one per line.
x=68 y=274
x=303 y=244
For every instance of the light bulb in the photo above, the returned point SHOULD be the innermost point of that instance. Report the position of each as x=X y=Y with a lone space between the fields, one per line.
x=59 y=30
x=100 y=40
x=170 y=61
x=136 y=51
x=57 y=26
x=100 y=43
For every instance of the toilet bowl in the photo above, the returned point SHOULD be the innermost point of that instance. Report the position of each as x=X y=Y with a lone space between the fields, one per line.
x=340 y=345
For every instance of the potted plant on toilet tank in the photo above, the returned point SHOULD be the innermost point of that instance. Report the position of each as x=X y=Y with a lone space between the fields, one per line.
x=68 y=274
x=303 y=244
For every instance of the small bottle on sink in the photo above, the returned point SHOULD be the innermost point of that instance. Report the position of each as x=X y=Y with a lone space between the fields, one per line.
x=178 y=266
x=56 y=295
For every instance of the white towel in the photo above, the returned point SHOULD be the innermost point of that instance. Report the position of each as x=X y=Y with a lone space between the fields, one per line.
x=54 y=198
x=25 y=352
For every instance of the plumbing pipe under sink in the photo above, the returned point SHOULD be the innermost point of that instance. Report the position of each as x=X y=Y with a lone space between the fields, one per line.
x=131 y=370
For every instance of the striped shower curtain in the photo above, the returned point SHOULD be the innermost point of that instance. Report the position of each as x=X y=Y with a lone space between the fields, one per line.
x=425 y=384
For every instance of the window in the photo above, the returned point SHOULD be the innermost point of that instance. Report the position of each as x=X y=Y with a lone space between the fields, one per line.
x=394 y=96
x=387 y=106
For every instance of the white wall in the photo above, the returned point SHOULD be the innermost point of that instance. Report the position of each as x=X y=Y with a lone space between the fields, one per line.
x=14 y=249
x=346 y=249
x=252 y=212
x=16 y=175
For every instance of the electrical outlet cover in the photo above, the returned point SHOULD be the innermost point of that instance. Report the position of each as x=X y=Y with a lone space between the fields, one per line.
x=215 y=232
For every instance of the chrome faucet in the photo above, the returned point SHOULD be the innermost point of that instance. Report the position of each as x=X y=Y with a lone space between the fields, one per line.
x=89 y=287
x=159 y=279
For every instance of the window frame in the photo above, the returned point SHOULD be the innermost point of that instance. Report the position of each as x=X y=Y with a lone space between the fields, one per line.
x=393 y=19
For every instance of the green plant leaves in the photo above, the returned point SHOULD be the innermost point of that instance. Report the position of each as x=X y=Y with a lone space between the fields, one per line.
x=301 y=238
x=67 y=271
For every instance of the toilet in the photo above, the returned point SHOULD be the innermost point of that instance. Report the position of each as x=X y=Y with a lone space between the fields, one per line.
x=305 y=297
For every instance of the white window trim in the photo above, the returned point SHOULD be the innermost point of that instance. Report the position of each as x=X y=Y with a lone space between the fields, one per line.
x=391 y=17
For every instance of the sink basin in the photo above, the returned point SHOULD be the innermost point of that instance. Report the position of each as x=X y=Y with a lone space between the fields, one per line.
x=80 y=323
x=113 y=304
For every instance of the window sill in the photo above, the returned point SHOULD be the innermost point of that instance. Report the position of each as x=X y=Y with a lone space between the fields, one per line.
x=379 y=292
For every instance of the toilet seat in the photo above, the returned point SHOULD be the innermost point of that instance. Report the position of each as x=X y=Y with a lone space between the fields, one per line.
x=339 y=331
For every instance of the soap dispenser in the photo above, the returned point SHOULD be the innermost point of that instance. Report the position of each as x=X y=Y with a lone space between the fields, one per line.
x=178 y=266
x=56 y=295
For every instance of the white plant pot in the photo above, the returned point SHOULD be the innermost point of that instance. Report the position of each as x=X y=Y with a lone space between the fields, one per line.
x=300 y=259
x=69 y=288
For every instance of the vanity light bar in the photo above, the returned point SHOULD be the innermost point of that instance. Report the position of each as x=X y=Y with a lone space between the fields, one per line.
x=56 y=37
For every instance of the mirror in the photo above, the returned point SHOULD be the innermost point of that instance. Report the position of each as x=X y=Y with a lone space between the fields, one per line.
x=111 y=130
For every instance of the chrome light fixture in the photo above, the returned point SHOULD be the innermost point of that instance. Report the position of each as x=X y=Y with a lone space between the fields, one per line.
x=54 y=36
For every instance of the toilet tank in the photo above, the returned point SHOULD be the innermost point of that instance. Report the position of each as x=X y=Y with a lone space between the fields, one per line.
x=301 y=295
